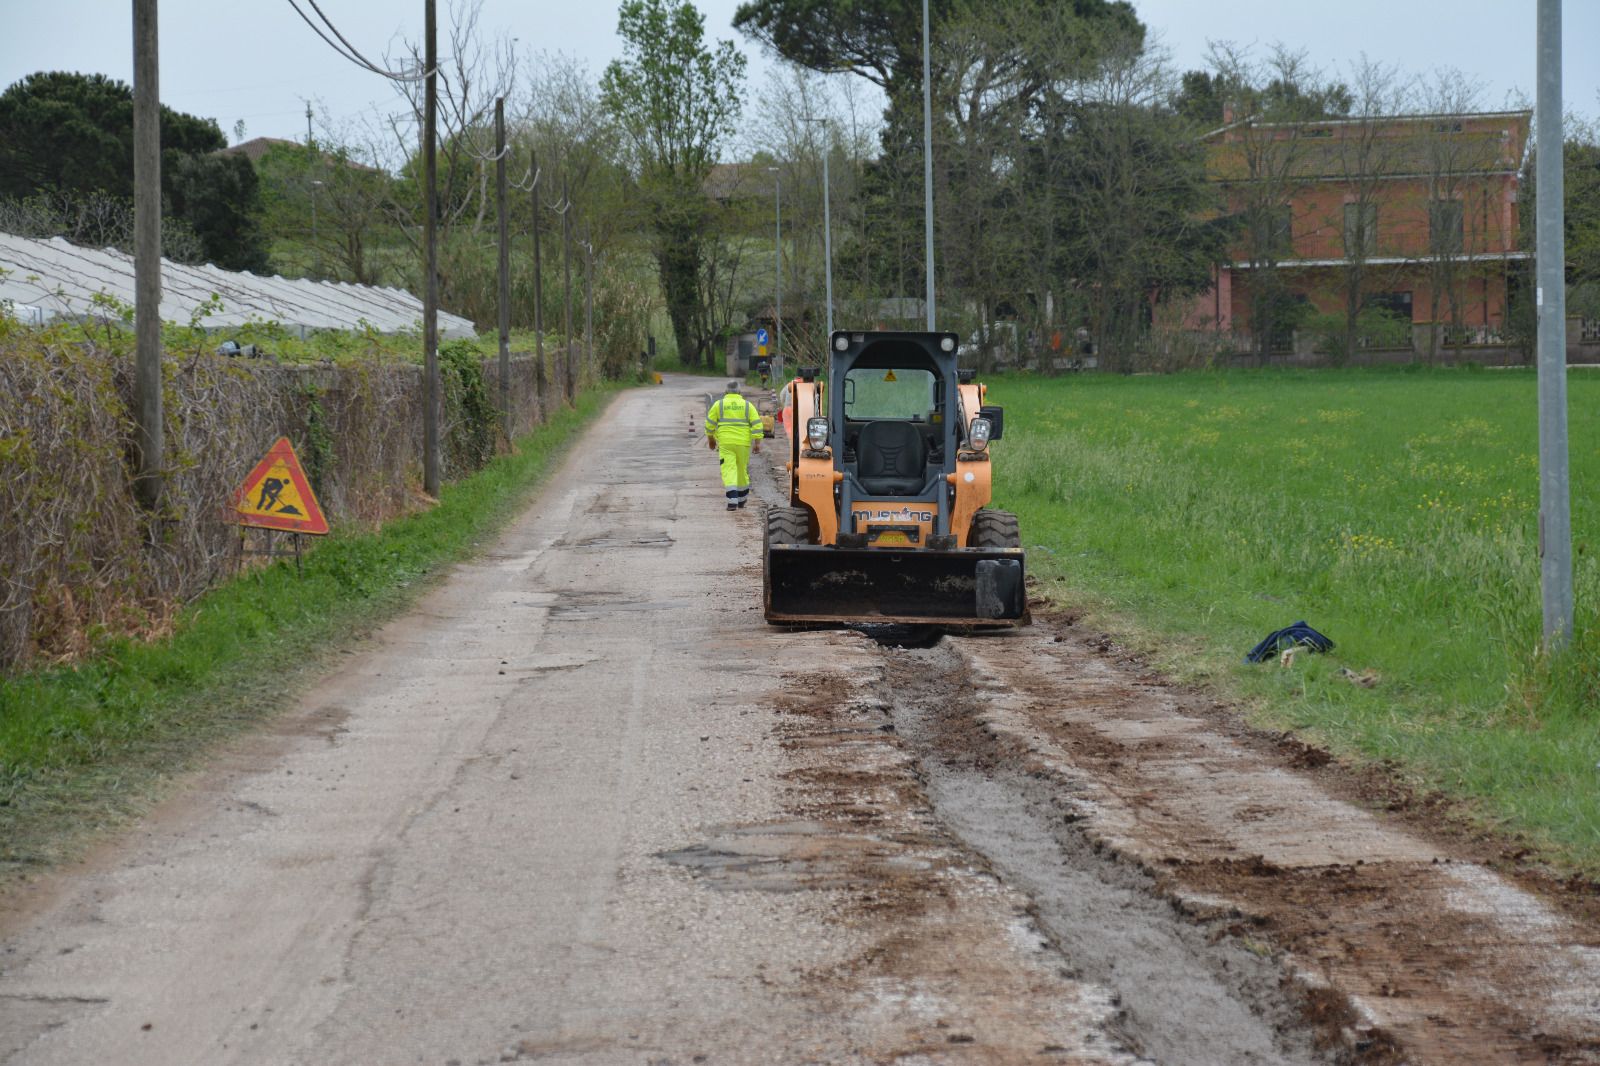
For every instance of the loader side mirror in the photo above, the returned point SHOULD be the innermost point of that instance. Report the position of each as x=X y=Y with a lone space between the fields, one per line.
x=997 y=419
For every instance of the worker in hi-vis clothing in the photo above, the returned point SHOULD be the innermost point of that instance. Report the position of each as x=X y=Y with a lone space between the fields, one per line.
x=733 y=430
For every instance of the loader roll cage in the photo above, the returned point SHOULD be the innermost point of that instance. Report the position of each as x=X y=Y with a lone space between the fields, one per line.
x=895 y=421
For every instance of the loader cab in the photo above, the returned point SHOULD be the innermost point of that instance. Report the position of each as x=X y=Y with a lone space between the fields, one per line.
x=895 y=421
x=890 y=415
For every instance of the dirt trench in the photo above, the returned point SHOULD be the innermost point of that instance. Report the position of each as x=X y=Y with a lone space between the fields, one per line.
x=888 y=760
x=1397 y=937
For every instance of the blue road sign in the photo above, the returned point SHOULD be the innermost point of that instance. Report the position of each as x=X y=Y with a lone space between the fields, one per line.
x=761 y=336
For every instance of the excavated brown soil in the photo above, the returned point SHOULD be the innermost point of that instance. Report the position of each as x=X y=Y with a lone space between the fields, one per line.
x=940 y=938
x=1410 y=937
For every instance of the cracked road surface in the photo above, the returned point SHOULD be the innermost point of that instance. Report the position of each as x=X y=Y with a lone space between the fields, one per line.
x=583 y=805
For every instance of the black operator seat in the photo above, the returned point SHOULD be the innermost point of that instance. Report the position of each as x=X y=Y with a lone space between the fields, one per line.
x=891 y=458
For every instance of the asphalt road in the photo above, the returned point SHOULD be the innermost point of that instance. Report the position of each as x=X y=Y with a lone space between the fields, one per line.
x=488 y=836
x=583 y=805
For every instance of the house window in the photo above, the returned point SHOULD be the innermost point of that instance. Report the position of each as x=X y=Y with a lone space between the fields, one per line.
x=1397 y=304
x=1444 y=226
x=1280 y=230
x=1268 y=229
x=1360 y=229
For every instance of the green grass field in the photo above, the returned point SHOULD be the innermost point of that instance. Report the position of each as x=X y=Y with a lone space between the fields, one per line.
x=1394 y=510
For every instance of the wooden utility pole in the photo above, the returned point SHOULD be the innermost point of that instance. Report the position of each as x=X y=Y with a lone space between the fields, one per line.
x=538 y=290
x=566 y=272
x=431 y=413
x=505 y=263
x=147 y=252
x=588 y=299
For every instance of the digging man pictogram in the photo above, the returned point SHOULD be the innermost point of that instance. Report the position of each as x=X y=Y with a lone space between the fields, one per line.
x=271 y=489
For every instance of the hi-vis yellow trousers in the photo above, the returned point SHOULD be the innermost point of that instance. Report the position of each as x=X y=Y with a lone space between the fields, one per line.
x=735 y=472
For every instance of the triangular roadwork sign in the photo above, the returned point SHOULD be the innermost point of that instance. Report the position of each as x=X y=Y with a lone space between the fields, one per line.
x=277 y=495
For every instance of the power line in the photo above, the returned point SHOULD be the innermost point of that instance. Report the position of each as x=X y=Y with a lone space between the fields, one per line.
x=348 y=51
x=346 y=41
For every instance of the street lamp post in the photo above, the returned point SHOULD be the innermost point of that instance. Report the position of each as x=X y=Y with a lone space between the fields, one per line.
x=827 y=231
x=777 y=243
x=927 y=160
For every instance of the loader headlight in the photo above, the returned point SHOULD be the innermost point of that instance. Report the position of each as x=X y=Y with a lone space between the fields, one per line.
x=978 y=434
x=817 y=433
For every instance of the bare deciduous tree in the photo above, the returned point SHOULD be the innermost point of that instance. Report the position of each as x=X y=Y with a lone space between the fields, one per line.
x=1366 y=152
x=1267 y=101
x=1453 y=161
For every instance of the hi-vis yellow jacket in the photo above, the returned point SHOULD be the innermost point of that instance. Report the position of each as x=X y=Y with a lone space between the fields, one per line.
x=733 y=421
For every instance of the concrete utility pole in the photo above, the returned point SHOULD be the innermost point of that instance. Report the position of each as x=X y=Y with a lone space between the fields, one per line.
x=1555 y=491
x=505 y=263
x=147 y=252
x=566 y=273
x=538 y=291
x=927 y=159
x=430 y=288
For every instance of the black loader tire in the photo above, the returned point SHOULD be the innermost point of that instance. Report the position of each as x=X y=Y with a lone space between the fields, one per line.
x=994 y=529
x=788 y=525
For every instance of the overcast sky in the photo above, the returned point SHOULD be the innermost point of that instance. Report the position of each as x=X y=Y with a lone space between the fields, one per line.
x=257 y=62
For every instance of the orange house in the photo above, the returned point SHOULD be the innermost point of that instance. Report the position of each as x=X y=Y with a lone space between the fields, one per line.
x=1414 y=214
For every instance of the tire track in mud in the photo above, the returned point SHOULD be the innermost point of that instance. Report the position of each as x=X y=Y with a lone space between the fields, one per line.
x=947 y=964
x=1189 y=993
x=1393 y=946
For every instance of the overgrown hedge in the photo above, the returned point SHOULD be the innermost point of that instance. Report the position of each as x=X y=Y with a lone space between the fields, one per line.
x=80 y=560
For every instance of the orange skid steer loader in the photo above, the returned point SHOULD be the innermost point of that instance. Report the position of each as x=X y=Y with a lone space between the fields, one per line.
x=888 y=480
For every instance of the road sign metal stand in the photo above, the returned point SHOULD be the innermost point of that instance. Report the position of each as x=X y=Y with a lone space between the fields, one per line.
x=272 y=550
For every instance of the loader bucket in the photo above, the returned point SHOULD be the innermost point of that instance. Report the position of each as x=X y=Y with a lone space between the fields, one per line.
x=969 y=587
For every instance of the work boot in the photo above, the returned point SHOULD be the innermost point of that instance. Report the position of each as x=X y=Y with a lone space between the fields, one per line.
x=741 y=503
x=732 y=506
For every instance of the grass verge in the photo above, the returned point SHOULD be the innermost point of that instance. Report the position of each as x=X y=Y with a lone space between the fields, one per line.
x=82 y=748
x=1394 y=510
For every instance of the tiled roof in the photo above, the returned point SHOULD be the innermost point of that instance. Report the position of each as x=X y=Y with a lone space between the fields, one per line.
x=1404 y=146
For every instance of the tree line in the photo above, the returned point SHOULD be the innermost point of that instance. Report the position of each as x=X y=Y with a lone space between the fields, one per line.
x=66 y=169
x=1071 y=185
